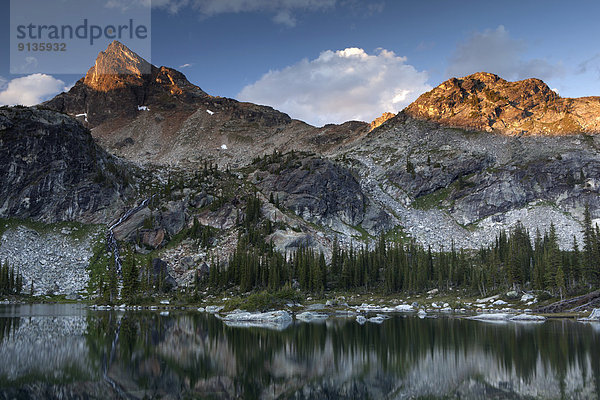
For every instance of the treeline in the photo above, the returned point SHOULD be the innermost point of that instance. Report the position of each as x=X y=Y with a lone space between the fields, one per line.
x=513 y=262
x=11 y=281
x=391 y=265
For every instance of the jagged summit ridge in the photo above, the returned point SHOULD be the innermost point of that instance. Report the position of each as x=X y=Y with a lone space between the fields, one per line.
x=115 y=61
x=119 y=82
x=486 y=102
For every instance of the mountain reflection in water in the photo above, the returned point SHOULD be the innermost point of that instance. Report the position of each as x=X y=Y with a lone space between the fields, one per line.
x=69 y=352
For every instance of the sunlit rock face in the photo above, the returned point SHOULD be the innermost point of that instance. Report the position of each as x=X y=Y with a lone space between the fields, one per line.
x=486 y=102
x=377 y=122
x=113 y=66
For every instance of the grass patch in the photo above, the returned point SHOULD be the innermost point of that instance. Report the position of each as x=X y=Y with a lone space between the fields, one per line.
x=431 y=200
x=263 y=301
x=78 y=230
x=364 y=235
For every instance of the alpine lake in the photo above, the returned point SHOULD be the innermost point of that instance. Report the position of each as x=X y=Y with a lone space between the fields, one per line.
x=68 y=351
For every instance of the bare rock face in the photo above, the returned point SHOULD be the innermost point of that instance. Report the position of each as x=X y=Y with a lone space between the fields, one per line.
x=315 y=188
x=377 y=122
x=151 y=228
x=451 y=185
x=114 y=66
x=486 y=102
x=52 y=170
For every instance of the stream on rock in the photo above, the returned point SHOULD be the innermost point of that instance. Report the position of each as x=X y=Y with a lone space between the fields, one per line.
x=69 y=351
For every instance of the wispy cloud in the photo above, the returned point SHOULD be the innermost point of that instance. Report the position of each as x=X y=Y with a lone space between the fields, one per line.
x=281 y=11
x=494 y=51
x=591 y=64
x=341 y=85
x=187 y=65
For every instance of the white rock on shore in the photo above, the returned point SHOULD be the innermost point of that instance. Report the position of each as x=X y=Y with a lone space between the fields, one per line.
x=404 y=308
x=593 y=317
x=213 y=309
x=527 y=297
x=492 y=317
x=278 y=320
x=487 y=299
x=528 y=318
x=308 y=316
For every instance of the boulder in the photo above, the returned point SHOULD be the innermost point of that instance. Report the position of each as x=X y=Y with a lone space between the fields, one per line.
x=173 y=220
x=277 y=320
x=593 y=317
x=128 y=229
x=528 y=318
x=513 y=294
x=308 y=316
x=161 y=273
x=153 y=238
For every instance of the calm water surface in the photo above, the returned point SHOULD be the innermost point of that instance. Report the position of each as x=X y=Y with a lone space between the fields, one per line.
x=67 y=351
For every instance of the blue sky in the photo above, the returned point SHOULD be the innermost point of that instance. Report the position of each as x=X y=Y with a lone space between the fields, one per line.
x=291 y=54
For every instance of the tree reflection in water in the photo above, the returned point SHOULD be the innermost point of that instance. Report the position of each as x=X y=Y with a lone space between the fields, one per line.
x=190 y=355
x=198 y=354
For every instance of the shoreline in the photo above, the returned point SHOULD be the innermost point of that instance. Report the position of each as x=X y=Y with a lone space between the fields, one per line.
x=336 y=305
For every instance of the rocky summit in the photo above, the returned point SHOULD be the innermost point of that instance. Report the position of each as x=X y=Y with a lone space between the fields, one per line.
x=486 y=102
x=119 y=83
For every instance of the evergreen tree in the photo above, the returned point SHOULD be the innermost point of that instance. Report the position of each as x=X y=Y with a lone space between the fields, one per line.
x=112 y=290
x=552 y=260
x=590 y=244
x=560 y=282
x=130 y=275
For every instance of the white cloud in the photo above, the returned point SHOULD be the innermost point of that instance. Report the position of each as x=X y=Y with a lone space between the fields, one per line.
x=339 y=86
x=496 y=52
x=31 y=89
x=187 y=65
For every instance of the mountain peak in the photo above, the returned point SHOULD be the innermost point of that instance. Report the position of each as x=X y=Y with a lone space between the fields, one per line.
x=117 y=67
x=486 y=102
x=121 y=84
